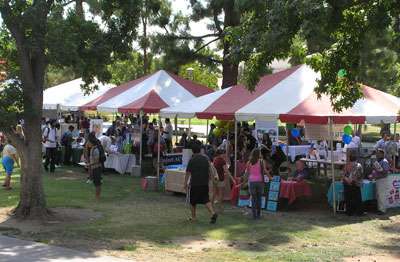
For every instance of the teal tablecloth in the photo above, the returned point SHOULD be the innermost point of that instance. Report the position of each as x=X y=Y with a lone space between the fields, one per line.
x=367 y=192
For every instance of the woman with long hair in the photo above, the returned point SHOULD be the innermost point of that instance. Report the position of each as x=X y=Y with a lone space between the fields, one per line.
x=257 y=170
x=222 y=169
x=266 y=146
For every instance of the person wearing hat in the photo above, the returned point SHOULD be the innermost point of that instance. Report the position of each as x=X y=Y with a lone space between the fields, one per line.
x=50 y=136
x=381 y=167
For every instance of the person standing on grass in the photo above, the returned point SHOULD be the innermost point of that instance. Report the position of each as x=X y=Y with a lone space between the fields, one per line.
x=68 y=145
x=94 y=165
x=381 y=168
x=197 y=186
x=167 y=134
x=9 y=157
x=256 y=168
x=50 y=138
x=222 y=169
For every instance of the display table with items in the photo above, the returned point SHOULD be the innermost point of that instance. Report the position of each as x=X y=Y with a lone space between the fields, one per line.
x=318 y=162
x=175 y=181
x=292 y=190
x=297 y=151
x=77 y=154
x=367 y=191
x=120 y=162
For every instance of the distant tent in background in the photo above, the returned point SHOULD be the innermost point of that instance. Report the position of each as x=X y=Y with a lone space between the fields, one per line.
x=69 y=96
x=150 y=94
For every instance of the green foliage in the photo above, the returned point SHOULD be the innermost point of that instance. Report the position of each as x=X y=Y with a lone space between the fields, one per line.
x=201 y=74
x=336 y=34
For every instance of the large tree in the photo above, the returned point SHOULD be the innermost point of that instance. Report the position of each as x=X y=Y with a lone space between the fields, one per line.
x=180 y=45
x=337 y=29
x=39 y=32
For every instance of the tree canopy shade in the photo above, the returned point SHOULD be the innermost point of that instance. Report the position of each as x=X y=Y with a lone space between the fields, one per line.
x=36 y=33
x=336 y=29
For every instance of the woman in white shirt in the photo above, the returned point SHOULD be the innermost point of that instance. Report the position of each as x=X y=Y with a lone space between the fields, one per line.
x=9 y=157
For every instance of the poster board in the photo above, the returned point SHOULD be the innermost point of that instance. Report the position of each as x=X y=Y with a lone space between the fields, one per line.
x=321 y=132
x=267 y=127
x=273 y=195
x=392 y=198
x=96 y=125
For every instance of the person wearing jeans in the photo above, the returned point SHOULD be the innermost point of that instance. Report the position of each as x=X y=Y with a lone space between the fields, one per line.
x=50 y=136
x=253 y=168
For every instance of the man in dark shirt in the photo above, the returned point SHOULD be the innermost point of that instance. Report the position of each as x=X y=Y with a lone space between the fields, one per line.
x=197 y=186
x=251 y=141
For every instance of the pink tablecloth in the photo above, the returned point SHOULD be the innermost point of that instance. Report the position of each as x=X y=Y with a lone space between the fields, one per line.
x=292 y=191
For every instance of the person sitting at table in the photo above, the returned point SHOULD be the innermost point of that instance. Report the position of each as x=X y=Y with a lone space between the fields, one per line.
x=352 y=176
x=184 y=141
x=300 y=174
x=272 y=169
x=381 y=142
x=194 y=140
x=293 y=141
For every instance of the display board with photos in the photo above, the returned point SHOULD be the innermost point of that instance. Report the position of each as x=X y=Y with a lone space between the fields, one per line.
x=96 y=125
x=267 y=127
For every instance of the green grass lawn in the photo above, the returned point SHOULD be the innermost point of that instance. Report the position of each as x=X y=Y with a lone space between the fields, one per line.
x=137 y=224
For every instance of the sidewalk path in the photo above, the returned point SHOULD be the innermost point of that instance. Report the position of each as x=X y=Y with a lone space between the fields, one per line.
x=16 y=250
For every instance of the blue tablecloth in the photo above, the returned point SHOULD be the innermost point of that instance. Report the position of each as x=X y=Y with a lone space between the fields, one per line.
x=367 y=192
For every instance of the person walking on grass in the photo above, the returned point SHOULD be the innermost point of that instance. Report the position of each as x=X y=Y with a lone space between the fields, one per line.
x=9 y=157
x=94 y=165
x=197 y=186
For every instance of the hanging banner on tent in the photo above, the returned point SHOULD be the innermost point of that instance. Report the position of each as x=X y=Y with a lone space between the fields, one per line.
x=267 y=127
x=96 y=125
x=321 y=132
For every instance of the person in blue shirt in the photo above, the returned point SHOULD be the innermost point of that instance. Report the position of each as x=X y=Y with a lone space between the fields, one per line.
x=300 y=174
x=111 y=129
x=380 y=178
x=381 y=142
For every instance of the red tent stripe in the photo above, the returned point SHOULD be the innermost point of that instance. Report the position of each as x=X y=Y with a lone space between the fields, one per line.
x=150 y=103
x=92 y=105
x=379 y=98
x=192 y=87
x=238 y=96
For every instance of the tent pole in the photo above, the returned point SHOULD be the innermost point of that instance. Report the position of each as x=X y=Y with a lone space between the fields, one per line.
x=207 y=136
x=394 y=140
x=235 y=148
x=287 y=143
x=176 y=128
x=333 y=166
x=158 y=151
x=190 y=128
x=141 y=135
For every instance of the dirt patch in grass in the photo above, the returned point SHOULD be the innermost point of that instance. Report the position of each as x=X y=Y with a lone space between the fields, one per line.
x=63 y=216
x=376 y=258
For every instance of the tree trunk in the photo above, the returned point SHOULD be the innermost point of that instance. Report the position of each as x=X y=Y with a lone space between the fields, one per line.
x=229 y=69
x=385 y=128
x=79 y=8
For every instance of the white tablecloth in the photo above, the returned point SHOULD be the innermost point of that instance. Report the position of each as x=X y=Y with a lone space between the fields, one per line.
x=297 y=150
x=121 y=163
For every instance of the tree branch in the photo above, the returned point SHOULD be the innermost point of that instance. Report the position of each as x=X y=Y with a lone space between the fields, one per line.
x=217 y=23
x=198 y=37
x=205 y=45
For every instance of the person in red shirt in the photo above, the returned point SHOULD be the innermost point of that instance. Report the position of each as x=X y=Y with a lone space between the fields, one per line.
x=222 y=169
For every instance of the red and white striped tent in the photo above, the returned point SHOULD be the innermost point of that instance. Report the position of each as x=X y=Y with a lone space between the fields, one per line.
x=289 y=96
x=149 y=94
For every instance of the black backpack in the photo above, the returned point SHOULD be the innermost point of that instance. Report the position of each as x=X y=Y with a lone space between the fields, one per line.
x=64 y=139
x=102 y=155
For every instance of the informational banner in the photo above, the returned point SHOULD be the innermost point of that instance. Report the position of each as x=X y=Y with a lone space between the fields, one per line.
x=267 y=127
x=393 y=191
x=173 y=159
x=96 y=125
x=321 y=132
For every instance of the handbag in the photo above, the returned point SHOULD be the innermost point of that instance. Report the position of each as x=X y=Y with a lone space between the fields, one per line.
x=212 y=172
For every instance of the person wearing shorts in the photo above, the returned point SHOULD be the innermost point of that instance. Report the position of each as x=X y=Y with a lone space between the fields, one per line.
x=197 y=187
x=95 y=166
x=222 y=170
x=9 y=157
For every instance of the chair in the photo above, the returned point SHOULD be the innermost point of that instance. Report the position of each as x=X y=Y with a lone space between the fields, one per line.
x=341 y=203
x=285 y=166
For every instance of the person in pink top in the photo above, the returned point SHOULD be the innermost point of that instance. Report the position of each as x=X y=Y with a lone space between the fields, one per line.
x=253 y=168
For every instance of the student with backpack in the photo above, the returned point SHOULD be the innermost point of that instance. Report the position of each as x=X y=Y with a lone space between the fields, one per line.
x=66 y=141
